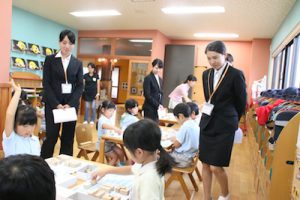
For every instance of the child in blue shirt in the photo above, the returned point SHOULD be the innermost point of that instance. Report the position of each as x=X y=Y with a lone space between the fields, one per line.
x=106 y=124
x=129 y=117
x=186 y=143
x=20 y=123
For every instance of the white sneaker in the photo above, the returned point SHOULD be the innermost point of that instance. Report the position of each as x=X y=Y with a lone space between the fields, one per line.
x=224 y=198
x=91 y=123
x=85 y=122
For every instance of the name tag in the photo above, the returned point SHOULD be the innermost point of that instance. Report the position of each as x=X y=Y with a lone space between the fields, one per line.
x=66 y=88
x=94 y=79
x=207 y=108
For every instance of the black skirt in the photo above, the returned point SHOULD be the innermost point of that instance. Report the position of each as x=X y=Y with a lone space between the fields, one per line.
x=215 y=148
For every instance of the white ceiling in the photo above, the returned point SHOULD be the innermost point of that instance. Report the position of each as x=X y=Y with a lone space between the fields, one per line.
x=248 y=18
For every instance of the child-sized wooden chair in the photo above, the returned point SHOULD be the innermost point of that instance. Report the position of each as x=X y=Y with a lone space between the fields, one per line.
x=177 y=174
x=84 y=138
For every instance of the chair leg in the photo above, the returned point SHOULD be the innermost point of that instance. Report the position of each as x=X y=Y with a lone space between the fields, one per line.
x=193 y=182
x=79 y=153
x=170 y=179
x=198 y=173
x=95 y=156
x=183 y=185
x=122 y=146
x=85 y=155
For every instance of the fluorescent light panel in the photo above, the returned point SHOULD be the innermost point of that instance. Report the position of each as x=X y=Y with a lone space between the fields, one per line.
x=193 y=10
x=216 y=35
x=96 y=13
x=140 y=40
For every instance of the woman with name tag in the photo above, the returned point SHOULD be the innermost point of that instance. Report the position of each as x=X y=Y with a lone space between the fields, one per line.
x=63 y=86
x=225 y=95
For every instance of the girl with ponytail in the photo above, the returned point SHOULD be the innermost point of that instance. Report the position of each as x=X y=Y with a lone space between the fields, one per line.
x=142 y=139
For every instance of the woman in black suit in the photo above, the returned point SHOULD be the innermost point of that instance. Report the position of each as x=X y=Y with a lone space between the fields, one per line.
x=63 y=86
x=225 y=95
x=153 y=91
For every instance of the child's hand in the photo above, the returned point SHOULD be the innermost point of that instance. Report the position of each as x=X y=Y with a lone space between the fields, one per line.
x=119 y=131
x=98 y=175
x=14 y=86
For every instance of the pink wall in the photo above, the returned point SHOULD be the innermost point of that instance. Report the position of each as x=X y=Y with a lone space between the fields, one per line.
x=5 y=27
x=260 y=59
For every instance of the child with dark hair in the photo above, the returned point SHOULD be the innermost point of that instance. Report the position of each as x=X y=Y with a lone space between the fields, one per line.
x=106 y=124
x=129 y=117
x=195 y=115
x=186 y=143
x=142 y=139
x=26 y=177
x=20 y=123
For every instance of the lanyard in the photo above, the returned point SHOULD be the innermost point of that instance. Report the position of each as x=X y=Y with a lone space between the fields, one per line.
x=66 y=78
x=219 y=82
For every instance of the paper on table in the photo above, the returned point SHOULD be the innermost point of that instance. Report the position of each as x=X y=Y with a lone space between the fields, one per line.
x=64 y=115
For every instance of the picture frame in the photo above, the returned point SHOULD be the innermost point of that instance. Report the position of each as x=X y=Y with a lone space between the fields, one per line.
x=33 y=64
x=34 y=49
x=19 y=46
x=18 y=62
x=47 y=51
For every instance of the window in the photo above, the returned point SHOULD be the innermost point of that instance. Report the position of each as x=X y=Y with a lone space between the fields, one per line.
x=94 y=46
x=133 y=47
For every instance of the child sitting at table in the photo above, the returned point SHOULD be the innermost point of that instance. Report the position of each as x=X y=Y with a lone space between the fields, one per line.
x=142 y=139
x=186 y=142
x=194 y=112
x=129 y=117
x=19 y=127
x=105 y=124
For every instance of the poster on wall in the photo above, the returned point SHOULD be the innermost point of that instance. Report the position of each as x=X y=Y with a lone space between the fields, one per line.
x=55 y=50
x=34 y=49
x=33 y=64
x=18 y=45
x=18 y=62
x=47 y=51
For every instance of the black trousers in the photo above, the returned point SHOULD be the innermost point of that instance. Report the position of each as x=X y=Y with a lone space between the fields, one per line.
x=52 y=132
x=151 y=113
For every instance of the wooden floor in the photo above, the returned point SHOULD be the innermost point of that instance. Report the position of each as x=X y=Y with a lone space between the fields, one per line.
x=239 y=174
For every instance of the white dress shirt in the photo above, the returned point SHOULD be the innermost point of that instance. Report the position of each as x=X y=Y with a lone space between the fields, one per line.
x=65 y=61
x=217 y=75
x=157 y=79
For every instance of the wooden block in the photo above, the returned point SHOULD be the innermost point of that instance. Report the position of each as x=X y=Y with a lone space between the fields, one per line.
x=107 y=197
x=107 y=188
x=100 y=193
x=124 y=191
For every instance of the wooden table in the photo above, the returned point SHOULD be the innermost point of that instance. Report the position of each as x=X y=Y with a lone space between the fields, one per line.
x=119 y=140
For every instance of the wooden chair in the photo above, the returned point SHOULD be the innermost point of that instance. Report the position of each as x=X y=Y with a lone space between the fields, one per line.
x=177 y=174
x=84 y=138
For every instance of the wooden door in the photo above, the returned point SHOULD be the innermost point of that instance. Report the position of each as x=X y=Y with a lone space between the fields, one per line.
x=197 y=94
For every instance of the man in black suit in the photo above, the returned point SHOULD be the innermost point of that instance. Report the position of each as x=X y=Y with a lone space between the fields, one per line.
x=63 y=86
x=153 y=91
x=225 y=95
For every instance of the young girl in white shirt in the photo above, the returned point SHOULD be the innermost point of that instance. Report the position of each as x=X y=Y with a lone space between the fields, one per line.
x=20 y=123
x=142 y=139
x=129 y=117
x=105 y=124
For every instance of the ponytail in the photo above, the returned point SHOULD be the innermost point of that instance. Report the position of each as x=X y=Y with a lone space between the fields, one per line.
x=165 y=162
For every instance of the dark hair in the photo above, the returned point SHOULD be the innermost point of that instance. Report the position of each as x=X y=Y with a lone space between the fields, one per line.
x=217 y=46
x=182 y=108
x=145 y=134
x=92 y=65
x=26 y=177
x=229 y=58
x=108 y=104
x=194 y=107
x=130 y=103
x=157 y=62
x=25 y=115
x=190 y=77
x=69 y=34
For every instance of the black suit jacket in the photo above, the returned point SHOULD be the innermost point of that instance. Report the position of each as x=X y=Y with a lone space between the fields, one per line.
x=54 y=76
x=229 y=101
x=152 y=92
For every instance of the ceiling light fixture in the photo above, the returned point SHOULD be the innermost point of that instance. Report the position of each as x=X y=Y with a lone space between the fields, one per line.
x=216 y=35
x=141 y=40
x=96 y=13
x=193 y=10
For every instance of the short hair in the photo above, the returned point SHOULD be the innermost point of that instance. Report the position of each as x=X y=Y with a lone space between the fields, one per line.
x=190 y=77
x=26 y=177
x=25 y=115
x=69 y=34
x=108 y=105
x=130 y=103
x=182 y=108
x=146 y=134
x=229 y=58
x=216 y=46
x=92 y=65
x=157 y=62
x=194 y=107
